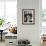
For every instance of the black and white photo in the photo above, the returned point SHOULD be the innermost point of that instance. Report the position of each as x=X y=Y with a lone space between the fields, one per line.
x=28 y=16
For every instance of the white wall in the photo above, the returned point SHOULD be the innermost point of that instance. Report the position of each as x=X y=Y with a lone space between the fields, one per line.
x=31 y=32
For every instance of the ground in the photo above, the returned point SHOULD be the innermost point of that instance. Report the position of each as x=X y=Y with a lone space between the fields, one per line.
x=2 y=43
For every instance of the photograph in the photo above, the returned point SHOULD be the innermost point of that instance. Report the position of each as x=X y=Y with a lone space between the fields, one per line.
x=28 y=16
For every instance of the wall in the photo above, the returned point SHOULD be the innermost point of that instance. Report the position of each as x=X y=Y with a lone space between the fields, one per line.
x=31 y=32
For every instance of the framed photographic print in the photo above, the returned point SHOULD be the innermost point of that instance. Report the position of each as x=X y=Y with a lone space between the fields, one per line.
x=28 y=16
